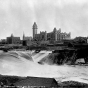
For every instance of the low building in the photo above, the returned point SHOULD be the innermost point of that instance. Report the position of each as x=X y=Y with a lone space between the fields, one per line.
x=26 y=40
x=13 y=40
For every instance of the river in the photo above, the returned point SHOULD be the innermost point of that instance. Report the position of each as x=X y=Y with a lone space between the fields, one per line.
x=25 y=63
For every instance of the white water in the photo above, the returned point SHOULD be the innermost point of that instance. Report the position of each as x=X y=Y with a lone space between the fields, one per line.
x=17 y=63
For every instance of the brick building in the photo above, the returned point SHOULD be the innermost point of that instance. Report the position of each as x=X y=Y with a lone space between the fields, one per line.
x=13 y=40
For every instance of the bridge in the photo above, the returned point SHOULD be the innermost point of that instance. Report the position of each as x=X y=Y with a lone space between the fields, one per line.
x=72 y=54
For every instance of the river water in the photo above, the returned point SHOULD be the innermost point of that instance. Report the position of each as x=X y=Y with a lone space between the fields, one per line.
x=25 y=63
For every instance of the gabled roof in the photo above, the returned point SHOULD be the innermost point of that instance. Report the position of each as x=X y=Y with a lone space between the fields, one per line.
x=37 y=81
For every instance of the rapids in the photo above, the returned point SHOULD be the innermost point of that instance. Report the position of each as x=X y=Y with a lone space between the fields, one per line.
x=25 y=63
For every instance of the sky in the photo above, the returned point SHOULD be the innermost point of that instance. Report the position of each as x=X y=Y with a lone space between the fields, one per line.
x=18 y=16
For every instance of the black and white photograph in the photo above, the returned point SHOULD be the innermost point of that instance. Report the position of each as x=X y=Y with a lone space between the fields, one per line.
x=43 y=43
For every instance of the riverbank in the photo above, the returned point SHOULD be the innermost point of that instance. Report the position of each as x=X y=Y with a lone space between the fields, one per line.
x=11 y=80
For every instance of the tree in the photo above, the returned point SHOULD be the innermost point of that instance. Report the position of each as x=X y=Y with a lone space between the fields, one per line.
x=80 y=40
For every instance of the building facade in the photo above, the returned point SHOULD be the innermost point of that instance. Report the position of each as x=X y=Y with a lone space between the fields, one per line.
x=13 y=40
x=55 y=35
x=26 y=40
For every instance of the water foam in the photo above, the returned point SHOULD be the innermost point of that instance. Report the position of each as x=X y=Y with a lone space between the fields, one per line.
x=16 y=63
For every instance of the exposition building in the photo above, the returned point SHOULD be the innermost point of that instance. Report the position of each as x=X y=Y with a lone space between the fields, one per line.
x=55 y=35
